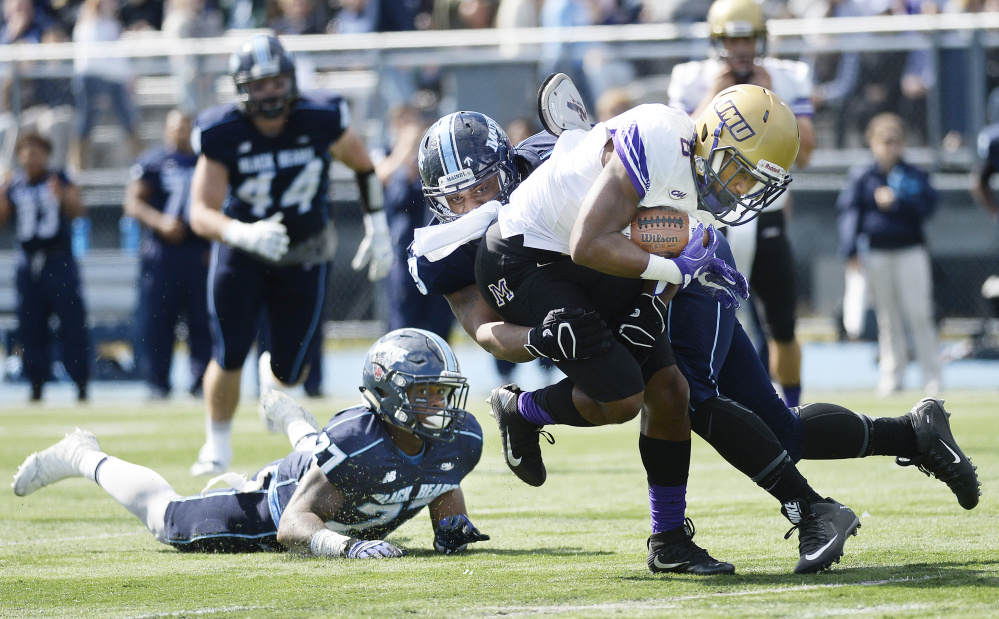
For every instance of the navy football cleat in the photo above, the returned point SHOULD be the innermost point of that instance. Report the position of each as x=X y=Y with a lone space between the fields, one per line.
x=939 y=454
x=521 y=438
x=823 y=527
x=675 y=551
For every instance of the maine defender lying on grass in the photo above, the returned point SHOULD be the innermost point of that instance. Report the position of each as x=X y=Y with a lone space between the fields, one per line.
x=343 y=489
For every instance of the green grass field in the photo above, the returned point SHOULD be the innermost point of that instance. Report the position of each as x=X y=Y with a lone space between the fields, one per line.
x=575 y=547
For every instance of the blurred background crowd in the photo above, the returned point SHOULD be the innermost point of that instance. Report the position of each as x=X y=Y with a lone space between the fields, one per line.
x=99 y=78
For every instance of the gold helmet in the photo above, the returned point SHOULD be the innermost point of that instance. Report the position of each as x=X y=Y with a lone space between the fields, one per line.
x=748 y=129
x=733 y=19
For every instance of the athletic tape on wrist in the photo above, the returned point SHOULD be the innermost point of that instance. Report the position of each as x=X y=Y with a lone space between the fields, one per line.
x=662 y=269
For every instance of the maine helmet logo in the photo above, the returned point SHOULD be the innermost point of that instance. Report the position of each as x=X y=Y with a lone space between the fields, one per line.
x=732 y=118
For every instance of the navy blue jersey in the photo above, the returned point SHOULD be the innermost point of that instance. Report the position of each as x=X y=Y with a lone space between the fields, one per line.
x=383 y=487
x=288 y=173
x=457 y=270
x=988 y=146
x=168 y=174
x=41 y=224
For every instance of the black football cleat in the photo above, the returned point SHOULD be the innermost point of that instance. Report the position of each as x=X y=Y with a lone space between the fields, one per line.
x=939 y=454
x=521 y=438
x=674 y=551
x=823 y=527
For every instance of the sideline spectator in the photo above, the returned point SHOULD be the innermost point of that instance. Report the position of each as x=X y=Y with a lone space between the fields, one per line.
x=881 y=214
x=173 y=280
x=99 y=76
x=38 y=99
x=191 y=19
x=22 y=23
x=299 y=17
x=142 y=14
x=43 y=202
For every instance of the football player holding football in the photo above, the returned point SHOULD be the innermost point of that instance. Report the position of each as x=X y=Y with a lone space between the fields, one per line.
x=761 y=247
x=744 y=439
x=260 y=190
x=466 y=160
x=344 y=488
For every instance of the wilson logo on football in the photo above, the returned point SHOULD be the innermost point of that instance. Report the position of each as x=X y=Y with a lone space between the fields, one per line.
x=653 y=237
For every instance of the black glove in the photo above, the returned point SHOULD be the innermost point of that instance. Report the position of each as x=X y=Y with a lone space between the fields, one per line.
x=568 y=334
x=639 y=327
x=454 y=533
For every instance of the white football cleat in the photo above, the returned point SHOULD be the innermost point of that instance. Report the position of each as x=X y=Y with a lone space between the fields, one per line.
x=560 y=106
x=57 y=462
x=209 y=462
x=278 y=410
x=265 y=375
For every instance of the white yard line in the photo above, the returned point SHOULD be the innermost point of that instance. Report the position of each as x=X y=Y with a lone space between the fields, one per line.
x=660 y=604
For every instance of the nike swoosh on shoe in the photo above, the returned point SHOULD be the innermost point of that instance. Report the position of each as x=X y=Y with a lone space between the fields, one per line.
x=509 y=453
x=667 y=566
x=957 y=458
x=812 y=555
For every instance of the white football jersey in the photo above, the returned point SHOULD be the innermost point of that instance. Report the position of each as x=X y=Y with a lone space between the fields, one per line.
x=790 y=79
x=655 y=143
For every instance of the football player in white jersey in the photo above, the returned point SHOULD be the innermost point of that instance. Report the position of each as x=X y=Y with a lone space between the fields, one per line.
x=559 y=241
x=761 y=248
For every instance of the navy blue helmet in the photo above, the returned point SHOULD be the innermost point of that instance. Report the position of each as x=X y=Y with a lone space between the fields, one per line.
x=408 y=358
x=259 y=58
x=462 y=150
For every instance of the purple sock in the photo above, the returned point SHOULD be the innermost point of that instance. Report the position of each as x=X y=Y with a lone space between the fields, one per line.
x=668 y=505
x=792 y=395
x=530 y=410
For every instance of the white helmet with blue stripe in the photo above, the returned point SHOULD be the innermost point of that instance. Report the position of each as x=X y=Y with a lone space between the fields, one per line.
x=460 y=151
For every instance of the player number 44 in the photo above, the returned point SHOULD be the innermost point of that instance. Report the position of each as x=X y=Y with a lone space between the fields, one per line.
x=256 y=190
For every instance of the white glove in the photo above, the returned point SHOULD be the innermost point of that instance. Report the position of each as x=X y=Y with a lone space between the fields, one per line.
x=375 y=247
x=267 y=238
x=374 y=549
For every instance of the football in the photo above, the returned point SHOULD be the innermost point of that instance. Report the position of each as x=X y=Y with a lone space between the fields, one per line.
x=661 y=230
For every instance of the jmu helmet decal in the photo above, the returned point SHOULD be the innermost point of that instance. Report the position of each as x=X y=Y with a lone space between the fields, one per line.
x=732 y=118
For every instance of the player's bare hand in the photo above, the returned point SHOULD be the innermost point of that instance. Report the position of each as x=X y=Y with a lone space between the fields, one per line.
x=884 y=197
x=171 y=230
x=56 y=187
